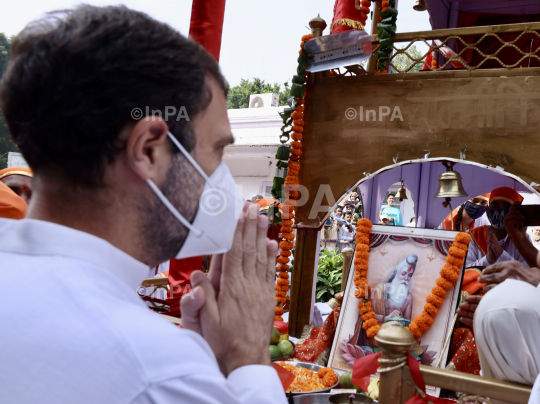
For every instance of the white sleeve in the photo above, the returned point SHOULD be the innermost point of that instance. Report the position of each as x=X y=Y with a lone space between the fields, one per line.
x=535 y=394
x=249 y=384
x=475 y=258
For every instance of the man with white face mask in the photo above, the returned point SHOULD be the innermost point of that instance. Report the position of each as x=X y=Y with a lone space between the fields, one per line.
x=120 y=185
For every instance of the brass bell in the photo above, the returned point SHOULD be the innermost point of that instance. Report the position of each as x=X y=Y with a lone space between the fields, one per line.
x=420 y=5
x=401 y=193
x=450 y=185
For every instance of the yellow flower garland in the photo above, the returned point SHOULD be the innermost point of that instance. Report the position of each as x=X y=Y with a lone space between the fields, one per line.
x=449 y=275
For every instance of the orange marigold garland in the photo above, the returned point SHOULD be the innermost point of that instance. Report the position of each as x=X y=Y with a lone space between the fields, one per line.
x=449 y=275
x=291 y=182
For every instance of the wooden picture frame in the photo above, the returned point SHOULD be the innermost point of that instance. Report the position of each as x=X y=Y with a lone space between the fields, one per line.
x=421 y=254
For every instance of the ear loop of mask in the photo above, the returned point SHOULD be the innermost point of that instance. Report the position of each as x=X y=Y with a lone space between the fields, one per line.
x=165 y=201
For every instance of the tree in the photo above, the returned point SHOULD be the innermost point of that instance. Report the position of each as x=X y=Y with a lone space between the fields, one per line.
x=239 y=95
x=6 y=145
x=402 y=61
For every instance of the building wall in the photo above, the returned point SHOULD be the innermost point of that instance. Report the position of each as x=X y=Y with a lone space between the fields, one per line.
x=251 y=159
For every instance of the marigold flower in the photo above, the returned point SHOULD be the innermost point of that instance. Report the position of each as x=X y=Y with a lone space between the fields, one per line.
x=365 y=307
x=288 y=216
x=438 y=291
x=283 y=267
x=362 y=255
x=283 y=260
x=296 y=145
x=458 y=262
x=364 y=222
x=431 y=309
x=459 y=245
x=368 y=316
x=415 y=330
x=279 y=293
x=278 y=318
x=359 y=293
x=298 y=122
x=287 y=236
x=281 y=300
x=299 y=108
x=364 y=239
x=443 y=283
x=463 y=238
x=286 y=245
x=294 y=164
x=370 y=323
x=283 y=275
x=297 y=128
x=434 y=300
x=362 y=273
x=363 y=230
x=285 y=253
x=297 y=115
x=422 y=324
x=373 y=331
x=366 y=3
x=290 y=179
x=281 y=288
x=449 y=275
x=330 y=379
x=457 y=252
x=360 y=265
x=294 y=157
x=297 y=136
x=452 y=268
x=282 y=281
x=296 y=152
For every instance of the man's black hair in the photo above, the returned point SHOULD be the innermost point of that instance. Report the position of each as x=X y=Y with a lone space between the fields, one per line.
x=76 y=76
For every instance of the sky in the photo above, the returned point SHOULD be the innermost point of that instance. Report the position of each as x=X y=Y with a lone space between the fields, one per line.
x=260 y=38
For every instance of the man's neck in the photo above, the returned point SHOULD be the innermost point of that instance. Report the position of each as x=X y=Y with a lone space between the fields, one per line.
x=500 y=233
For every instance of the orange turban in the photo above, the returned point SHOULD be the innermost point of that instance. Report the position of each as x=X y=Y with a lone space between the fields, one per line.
x=6 y=172
x=11 y=205
x=505 y=194
x=265 y=203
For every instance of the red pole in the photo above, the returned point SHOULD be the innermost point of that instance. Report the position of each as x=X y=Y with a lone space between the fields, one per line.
x=207 y=24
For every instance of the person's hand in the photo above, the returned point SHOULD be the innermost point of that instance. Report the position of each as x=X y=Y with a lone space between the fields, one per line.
x=514 y=222
x=466 y=310
x=393 y=314
x=233 y=309
x=501 y=271
x=494 y=248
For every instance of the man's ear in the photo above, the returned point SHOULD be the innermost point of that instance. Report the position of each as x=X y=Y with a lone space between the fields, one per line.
x=148 y=150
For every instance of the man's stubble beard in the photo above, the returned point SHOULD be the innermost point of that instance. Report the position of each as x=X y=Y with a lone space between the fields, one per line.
x=162 y=234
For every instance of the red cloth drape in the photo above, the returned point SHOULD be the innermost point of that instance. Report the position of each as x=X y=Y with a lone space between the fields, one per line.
x=179 y=281
x=207 y=24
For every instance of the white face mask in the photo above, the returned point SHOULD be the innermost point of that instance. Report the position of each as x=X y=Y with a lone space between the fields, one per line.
x=212 y=231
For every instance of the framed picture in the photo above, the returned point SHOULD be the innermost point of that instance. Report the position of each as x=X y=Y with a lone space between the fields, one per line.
x=403 y=265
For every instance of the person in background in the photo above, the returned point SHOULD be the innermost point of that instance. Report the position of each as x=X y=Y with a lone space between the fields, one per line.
x=385 y=220
x=506 y=238
x=19 y=180
x=12 y=206
x=412 y=222
x=338 y=212
x=536 y=237
x=468 y=216
x=331 y=234
x=392 y=210
x=346 y=233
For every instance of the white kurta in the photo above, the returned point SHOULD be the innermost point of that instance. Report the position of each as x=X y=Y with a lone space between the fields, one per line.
x=475 y=257
x=79 y=334
x=507 y=332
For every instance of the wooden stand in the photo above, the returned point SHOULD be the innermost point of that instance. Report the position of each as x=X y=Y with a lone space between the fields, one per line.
x=305 y=256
